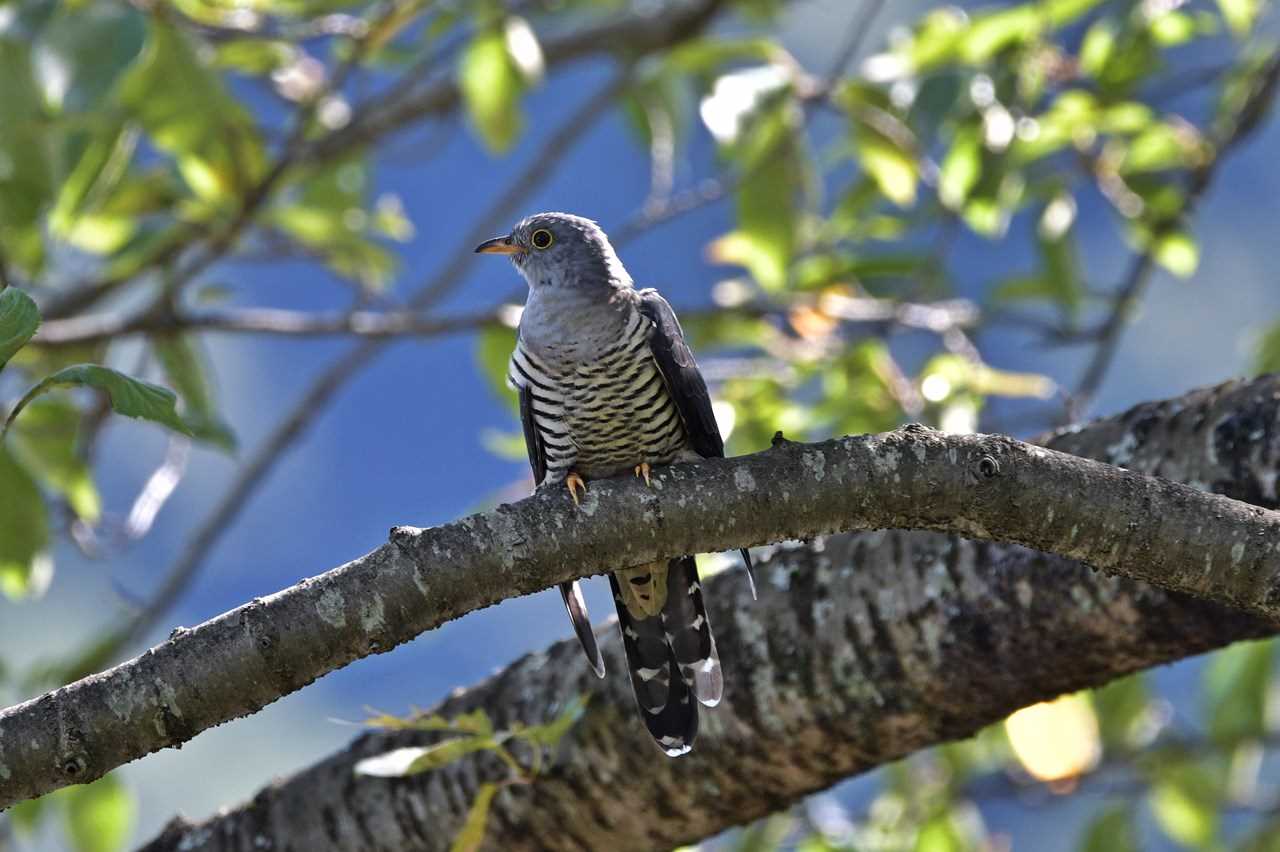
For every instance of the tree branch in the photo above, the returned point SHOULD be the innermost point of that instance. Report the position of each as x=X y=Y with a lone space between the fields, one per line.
x=861 y=649
x=991 y=487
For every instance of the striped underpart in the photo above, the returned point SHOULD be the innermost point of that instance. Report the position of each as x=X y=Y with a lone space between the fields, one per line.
x=600 y=417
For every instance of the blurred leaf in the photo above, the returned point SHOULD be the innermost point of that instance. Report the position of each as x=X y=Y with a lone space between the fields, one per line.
x=1098 y=45
x=83 y=52
x=101 y=162
x=1056 y=740
x=471 y=835
x=1112 y=830
x=770 y=156
x=940 y=834
x=961 y=168
x=1122 y=707
x=19 y=319
x=1235 y=689
x=491 y=85
x=1267 y=353
x=254 y=56
x=188 y=113
x=992 y=32
x=1173 y=28
x=26 y=176
x=550 y=734
x=1185 y=807
x=1161 y=147
x=186 y=369
x=1177 y=252
x=26 y=815
x=100 y=816
x=413 y=760
x=494 y=345
x=24 y=525
x=893 y=169
x=45 y=439
x=130 y=397
x=1240 y=15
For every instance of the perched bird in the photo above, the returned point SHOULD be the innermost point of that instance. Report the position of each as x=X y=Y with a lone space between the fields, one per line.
x=608 y=385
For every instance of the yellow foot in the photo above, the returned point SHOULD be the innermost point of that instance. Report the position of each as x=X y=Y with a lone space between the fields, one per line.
x=644 y=470
x=575 y=482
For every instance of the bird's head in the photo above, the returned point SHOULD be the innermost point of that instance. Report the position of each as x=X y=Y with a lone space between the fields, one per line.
x=559 y=250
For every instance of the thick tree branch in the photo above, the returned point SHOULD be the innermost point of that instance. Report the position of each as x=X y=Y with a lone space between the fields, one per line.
x=862 y=648
x=990 y=487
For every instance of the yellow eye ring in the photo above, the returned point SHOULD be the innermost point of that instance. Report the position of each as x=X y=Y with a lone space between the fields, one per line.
x=541 y=239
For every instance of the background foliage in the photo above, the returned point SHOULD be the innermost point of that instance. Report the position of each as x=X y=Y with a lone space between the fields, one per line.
x=896 y=227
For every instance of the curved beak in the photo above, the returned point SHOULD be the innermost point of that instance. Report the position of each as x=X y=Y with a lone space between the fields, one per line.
x=498 y=245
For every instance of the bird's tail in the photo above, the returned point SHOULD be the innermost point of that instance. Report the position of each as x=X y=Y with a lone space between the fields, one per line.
x=670 y=651
x=577 y=607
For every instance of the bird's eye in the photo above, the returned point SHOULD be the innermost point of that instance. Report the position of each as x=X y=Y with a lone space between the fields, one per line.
x=542 y=239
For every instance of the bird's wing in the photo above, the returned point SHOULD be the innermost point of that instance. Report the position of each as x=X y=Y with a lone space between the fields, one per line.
x=570 y=592
x=685 y=384
x=680 y=371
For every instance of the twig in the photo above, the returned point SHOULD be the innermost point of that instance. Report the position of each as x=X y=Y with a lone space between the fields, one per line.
x=859 y=29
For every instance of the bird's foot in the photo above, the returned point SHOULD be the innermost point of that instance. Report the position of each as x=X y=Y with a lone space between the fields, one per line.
x=574 y=482
x=643 y=470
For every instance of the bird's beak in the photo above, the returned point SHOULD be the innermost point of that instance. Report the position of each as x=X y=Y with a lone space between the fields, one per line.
x=498 y=245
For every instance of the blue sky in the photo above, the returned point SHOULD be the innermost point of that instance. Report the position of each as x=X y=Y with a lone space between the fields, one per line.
x=402 y=444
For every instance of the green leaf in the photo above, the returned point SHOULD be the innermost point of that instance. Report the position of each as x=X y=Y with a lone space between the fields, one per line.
x=961 y=168
x=894 y=169
x=130 y=397
x=1122 y=708
x=491 y=86
x=1184 y=812
x=24 y=525
x=185 y=367
x=1267 y=351
x=1236 y=684
x=993 y=32
x=494 y=345
x=1161 y=147
x=26 y=174
x=84 y=51
x=413 y=760
x=471 y=835
x=190 y=115
x=45 y=440
x=1112 y=830
x=1177 y=252
x=940 y=834
x=1240 y=15
x=19 y=319
x=551 y=733
x=100 y=816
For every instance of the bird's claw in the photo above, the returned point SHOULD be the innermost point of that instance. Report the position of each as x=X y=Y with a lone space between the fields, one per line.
x=574 y=482
x=643 y=470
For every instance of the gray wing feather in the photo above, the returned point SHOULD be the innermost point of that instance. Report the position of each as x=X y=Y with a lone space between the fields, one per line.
x=685 y=384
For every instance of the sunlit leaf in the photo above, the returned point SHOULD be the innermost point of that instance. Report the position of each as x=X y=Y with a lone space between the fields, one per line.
x=1055 y=740
x=130 y=397
x=1240 y=15
x=491 y=85
x=961 y=168
x=1183 y=812
x=24 y=525
x=100 y=816
x=1177 y=252
x=471 y=835
x=1267 y=351
x=19 y=319
x=992 y=32
x=1123 y=707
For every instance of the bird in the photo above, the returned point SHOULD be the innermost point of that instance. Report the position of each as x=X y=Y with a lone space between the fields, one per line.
x=608 y=386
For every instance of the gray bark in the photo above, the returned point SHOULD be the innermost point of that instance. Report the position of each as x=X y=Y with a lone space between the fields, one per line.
x=862 y=648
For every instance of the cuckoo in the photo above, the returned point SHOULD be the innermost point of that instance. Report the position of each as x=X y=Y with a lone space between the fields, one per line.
x=608 y=386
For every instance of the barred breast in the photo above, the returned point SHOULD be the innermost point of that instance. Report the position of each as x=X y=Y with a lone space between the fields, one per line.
x=601 y=415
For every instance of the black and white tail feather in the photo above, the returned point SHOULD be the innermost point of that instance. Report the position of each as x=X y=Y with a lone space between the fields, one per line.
x=671 y=654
